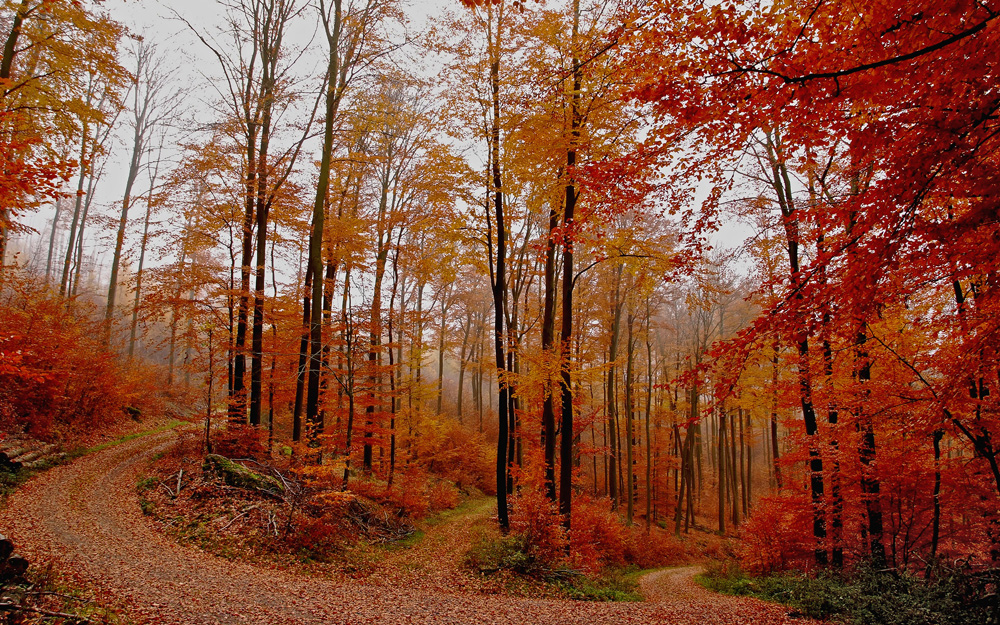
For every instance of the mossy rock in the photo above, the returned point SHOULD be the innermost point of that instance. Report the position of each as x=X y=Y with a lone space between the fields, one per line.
x=235 y=474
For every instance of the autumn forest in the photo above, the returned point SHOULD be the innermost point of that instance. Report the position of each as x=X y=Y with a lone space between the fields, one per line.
x=582 y=288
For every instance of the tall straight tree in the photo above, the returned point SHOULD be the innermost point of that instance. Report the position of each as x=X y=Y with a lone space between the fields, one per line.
x=152 y=106
x=256 y=62
x=498 y=272
x=569 y=216
x=271 y=19
x=349 y=42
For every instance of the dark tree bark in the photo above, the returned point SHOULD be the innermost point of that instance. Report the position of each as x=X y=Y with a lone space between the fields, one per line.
x=569 y=216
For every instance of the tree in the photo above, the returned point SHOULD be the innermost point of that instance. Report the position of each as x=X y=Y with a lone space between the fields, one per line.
x=42 y=101
x=152 y=106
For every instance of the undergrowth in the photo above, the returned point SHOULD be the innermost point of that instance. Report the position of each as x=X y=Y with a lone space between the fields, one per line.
x=955 y=596
x=44 y=596
x=513 y=556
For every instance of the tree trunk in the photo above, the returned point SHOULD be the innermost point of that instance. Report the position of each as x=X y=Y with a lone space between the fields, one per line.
x=566 y=441
x=612 y=400
x=500 y=273
x=629 y=422
x=550 y=359
x=314 y=423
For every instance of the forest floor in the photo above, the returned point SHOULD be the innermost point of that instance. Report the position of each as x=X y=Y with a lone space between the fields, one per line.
x=85 y=517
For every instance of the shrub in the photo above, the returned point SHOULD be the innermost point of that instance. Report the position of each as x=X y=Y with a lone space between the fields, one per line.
x=504 y=553
x=868 y=597
x=536 y=521
x=56 y=374
x=600 y=539
x=772 y=538
x=454 y=452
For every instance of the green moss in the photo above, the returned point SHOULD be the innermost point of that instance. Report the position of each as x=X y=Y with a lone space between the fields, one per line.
x=147 y=506
x=235 y=474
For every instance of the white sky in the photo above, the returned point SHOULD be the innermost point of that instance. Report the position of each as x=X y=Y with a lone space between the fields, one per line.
x=156 y=20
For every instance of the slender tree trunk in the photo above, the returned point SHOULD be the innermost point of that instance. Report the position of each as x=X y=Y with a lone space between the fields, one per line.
x=612 y=399
x=78 y=204
x=263 y=205
x=147 y=112
x=314 y=423
x=775 y=456
x=722 y=471
x=649 y=407
x=566 y=433
x=500 y=272
x=440 y=380
x=629 y=422
x=300 y=378
x=392 y=364
x=936 y=523
x=550 y=356
x=462 y=365
x=52 y=240
x=9 y=51
x=870 y=484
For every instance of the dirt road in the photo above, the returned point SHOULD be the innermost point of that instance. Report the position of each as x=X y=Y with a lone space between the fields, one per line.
x=86 y=517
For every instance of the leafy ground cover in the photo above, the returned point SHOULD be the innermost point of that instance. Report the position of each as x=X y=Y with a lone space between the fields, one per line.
x=955 y=596
x=254 y=511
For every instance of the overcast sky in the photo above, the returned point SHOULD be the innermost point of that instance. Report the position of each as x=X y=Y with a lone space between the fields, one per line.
x=157 y=20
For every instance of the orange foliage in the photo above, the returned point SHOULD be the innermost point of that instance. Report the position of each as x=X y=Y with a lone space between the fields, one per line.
x=600 y=538
x=455 y=452
x=240 y=441
x=414 y=494
x=56 y=376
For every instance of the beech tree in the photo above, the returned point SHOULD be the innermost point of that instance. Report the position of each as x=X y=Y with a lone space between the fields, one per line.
x=152 y=106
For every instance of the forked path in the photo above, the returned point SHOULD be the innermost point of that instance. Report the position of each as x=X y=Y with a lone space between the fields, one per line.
x=86 y=516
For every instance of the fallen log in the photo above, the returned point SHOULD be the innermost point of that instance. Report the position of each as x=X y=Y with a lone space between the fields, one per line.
x=19 y=447
x=14 y=607
x=235 y=474
x=51 y=458
x=35 y=454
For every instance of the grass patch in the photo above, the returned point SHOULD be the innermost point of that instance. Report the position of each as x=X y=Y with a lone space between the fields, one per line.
x=867 y=597
x=124 y=439
x=610 y=585
x=407 y=542
x=469 y=507
x=511 y=555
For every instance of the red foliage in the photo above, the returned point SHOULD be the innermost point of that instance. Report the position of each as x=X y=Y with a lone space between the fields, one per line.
x=240 y=441
x=600 y=538
x=537 y=520
x=776 y=536
x=414 y=493
x=56 y=376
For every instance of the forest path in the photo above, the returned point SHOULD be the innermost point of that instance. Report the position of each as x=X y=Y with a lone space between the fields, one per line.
x=433 y=558
x=85 y=516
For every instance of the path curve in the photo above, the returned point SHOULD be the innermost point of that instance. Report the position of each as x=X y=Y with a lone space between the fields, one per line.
x=85 y=516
